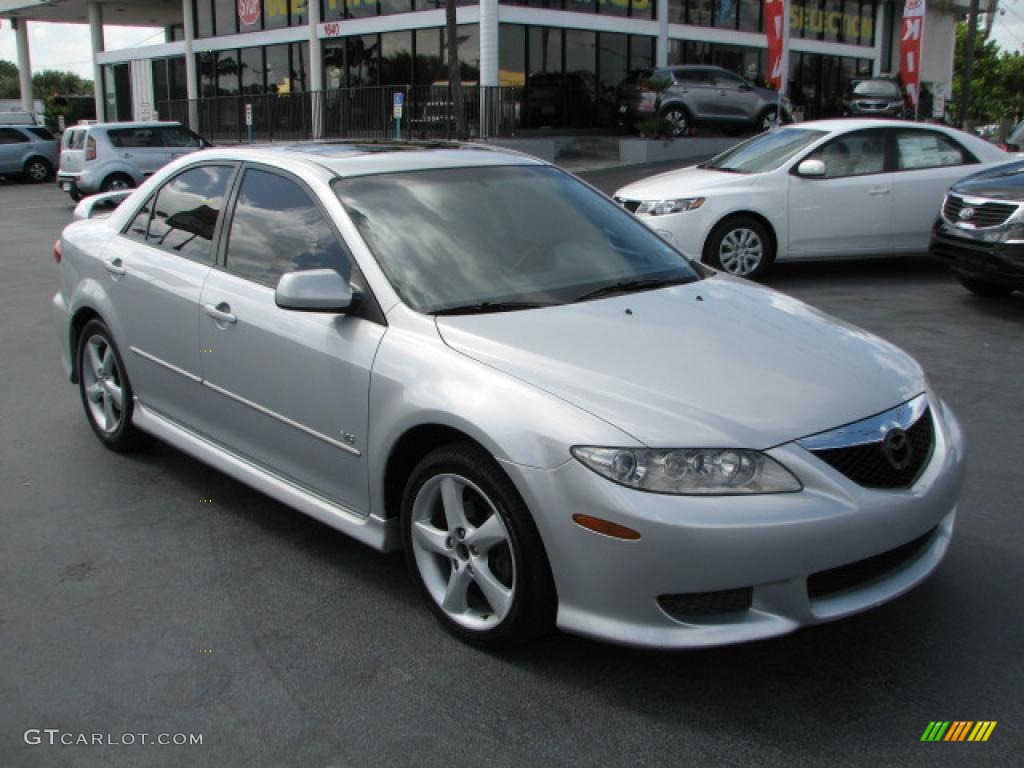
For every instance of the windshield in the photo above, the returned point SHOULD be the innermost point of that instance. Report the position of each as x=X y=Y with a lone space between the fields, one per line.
x=882 y=89
x=764 y=152
x=504 y=237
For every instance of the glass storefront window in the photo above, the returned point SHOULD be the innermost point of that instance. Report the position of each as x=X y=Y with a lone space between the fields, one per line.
x=275 y=16
x=750 y=15
x=511 y=55
x=867 y=23
x=725 y=13
x=832 y=20
x=278 y=69
x=468 y=41
x=206 y=64
x=429 y=65
x=396 y=58
x=178 y=80
x=204 y=18
x=334 y=64
x=300 y=67
x=699 y=12
x=225 y=16
x=227 y=73
x=362 y=60
x=251 y=67
x=395 y=6
x=642 y=9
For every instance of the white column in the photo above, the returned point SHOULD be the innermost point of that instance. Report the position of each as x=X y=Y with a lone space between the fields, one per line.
x=661 y=49
x=489 y=42
x=316 y=69
x=98 y=45
x=191 y=76
x=876 y=66
x=24 y=64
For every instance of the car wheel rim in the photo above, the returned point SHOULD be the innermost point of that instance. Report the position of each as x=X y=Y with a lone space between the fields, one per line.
x=676 y=122
x=771 y=120
x=102 y=382
x=741 y=251
x=117 y=185
x=37 y=171
x=463 y=552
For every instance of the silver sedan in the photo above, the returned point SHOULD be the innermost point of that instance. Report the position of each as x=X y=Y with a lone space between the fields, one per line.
x=470 y=355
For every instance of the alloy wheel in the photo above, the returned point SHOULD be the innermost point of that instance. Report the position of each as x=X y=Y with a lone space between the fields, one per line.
x=463 y=551
x=118 y=185
x=37 y=170
x=102 y=381
x=675 y=120
x=770 y=120
x=741 y=251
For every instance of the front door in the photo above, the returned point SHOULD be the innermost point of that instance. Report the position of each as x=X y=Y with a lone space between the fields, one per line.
x=849 y=210
x=141 y=148
x=156 y=269
x=288 y=390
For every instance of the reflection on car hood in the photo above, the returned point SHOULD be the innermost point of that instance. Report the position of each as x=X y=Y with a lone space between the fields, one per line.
x=686 y=181
x=719 y=362
x=1004 y=182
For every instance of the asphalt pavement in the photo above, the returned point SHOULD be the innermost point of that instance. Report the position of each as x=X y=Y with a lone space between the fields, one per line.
x=130 y=604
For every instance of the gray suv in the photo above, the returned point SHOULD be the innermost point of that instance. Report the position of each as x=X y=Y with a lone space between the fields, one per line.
x=106 y=157
x=29 y=151
x=685 y=95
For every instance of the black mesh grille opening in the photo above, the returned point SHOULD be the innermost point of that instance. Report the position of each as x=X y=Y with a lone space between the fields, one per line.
x=985 y=214
x=869 y=466
x=629 y=205
x=845 y=577
x=694 y=604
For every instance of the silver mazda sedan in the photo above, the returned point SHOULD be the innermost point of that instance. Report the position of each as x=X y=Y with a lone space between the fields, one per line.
x=474 y=357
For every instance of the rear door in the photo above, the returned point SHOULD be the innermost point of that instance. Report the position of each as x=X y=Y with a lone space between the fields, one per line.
x=157 y=268
x=179 y=141
x=140 y=147
x=928 y=162
x=697 y=92
x=849 y=210
x=72 y=154
x=735 y=97
x=13 y=144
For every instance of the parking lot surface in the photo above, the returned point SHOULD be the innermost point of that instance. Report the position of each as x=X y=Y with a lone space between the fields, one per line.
x=151 y=594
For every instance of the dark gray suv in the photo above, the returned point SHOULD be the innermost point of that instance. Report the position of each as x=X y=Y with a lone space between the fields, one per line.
x=684 y=95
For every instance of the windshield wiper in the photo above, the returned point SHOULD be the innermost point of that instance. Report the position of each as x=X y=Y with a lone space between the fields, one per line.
x=629 y=286
x=484 y=307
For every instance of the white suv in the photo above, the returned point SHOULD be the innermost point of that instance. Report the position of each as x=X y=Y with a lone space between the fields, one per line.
x=105 y=157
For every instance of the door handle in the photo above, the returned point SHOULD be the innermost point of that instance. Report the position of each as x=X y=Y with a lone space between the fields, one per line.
x=879 y=191
x=127 y=154
x=114 y=267
x=220 y=312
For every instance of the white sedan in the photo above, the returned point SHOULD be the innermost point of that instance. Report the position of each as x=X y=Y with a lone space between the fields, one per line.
x=822 y=189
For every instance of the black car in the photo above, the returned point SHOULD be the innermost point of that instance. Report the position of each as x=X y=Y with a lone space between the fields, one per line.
x=980 y=230
x=874 y=98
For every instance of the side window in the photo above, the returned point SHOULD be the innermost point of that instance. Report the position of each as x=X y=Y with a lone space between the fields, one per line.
x=178 y=136
x=42 y=133
x=78 y=140
x=692 y=76
x=853 y=154
x=12 y=136
x=186 y=211
x=134 y=137
x=140 y=224
x=277 y=228
x=726 y=80
x=928 y=149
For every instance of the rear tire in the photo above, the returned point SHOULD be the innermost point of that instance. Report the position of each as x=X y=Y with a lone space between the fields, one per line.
x=37 y=170
x=474 y=550
x=106 y=393
x=983 y=287
x=769 y=119
x=115 y=182
x=741 y=246
x=676 y=120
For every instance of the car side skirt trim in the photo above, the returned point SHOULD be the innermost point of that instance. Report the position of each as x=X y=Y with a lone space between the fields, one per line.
x=249 y=403
x=377 y=532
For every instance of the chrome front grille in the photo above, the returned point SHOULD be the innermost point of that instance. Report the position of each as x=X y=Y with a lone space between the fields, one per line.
x=985 y=213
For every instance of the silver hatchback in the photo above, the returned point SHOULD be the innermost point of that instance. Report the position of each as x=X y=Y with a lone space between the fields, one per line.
x=470 y=355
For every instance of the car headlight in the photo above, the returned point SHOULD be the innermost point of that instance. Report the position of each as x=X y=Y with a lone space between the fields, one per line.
x=662 y=207
x=690 y=471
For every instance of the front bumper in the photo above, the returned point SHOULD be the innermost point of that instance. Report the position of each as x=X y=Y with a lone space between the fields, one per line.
x=62 y=321
x=609 y=588
x=978 y=255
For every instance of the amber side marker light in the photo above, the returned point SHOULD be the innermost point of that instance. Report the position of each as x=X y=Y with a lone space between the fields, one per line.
x=605 y=527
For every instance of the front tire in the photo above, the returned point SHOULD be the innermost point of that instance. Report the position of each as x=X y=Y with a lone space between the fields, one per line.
x=474 y=550
x=105 y=390
x=983 y=287
x=741 y=246
x=769 y=119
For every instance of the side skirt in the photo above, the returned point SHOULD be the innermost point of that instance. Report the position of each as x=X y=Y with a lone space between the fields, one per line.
x=380 y=534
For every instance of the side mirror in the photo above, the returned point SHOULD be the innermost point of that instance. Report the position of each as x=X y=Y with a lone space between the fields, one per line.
x=100 y=206
x=813 y=168
x=316 y=290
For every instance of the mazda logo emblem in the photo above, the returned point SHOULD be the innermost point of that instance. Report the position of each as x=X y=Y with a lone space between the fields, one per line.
x=965 y=214
x=897 y=448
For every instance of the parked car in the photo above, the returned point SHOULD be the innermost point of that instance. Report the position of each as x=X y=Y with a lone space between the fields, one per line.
x=824 y=189
x=687 y=95
x=104 y=157
x=28 y=151
x=1015 y=139
x=18 y=117
x=980 y=230
x=874 y=98
x=553 y=420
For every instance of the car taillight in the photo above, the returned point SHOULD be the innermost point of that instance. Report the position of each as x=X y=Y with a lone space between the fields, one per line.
x=58 y=251
x=90 y=148
x=1011 y=147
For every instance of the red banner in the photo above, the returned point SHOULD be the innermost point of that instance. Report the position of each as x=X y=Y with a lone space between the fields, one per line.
x=911 y=37
x=774 y=27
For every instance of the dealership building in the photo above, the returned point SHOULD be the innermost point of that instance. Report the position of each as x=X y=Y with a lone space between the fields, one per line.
x=551 y=64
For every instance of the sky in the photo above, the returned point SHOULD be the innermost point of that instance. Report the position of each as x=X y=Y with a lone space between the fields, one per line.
x=1008 y=26
x=67 y=46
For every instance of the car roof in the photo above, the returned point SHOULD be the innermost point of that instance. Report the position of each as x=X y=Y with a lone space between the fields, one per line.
x=139 y=124
x=360 y=158
x=853 y=124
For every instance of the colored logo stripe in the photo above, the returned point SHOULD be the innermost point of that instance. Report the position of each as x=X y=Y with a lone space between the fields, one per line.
x=958 y=730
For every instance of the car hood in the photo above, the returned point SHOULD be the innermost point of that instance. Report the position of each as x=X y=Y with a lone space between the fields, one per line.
x=1005 y=182
x=715 y=363
x=686 y=181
